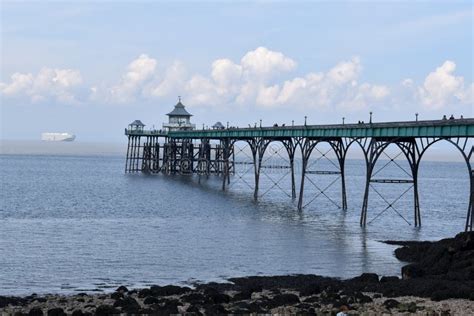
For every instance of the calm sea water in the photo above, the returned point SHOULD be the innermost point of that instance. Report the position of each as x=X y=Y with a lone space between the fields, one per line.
x=75 y=223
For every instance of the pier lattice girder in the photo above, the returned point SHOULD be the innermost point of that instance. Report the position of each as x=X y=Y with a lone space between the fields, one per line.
x=207 y=152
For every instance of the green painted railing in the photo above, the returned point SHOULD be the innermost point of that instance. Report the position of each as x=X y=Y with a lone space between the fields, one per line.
x=438 y=128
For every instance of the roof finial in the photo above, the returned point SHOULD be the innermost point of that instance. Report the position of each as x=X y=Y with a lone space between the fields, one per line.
x=179 y=98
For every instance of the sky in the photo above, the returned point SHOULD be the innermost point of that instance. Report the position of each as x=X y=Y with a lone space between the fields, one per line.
x=91 y=68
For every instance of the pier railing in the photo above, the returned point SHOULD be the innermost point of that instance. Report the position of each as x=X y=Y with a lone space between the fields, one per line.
x=438 y=128
x=143 y=132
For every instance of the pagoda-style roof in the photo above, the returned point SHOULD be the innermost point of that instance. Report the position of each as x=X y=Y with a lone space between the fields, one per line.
x=137 y=123
x=218 y=125
x=179 y=110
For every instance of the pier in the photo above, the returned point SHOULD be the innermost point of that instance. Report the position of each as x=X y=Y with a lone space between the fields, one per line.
x=179 y=148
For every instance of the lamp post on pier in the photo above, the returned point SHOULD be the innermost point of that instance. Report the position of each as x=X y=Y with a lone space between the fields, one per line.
x=305 y=117
x=370 y=120
x=416 y=117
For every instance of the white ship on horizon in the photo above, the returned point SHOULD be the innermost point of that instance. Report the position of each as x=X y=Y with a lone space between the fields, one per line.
x=58 y=137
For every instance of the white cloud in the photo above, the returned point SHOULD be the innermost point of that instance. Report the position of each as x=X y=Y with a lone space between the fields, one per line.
x=226 y=76
x=441 y=87
x=338 y=88
x=138 y=72
x=345 y=71
x=56 y=84
x=172 y=82
x=19 y=83
x=255 y=82
x=261 y=78
x=467 y=96
x=262 y=62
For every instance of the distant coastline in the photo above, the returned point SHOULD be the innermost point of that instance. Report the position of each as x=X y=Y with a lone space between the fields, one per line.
x=39 y=147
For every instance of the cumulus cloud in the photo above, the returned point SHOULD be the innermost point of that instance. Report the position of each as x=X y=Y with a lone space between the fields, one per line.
x=138 y=72
x=442 y=87
x=172 y=81
x=57 y=84
x=263 y=62
x=262 y=77
x=255 y=79
x=250 y=82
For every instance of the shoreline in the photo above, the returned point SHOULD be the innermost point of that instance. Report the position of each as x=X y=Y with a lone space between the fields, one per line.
x=440 y=280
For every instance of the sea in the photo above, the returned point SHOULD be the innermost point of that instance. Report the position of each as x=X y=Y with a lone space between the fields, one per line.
x=71 y=220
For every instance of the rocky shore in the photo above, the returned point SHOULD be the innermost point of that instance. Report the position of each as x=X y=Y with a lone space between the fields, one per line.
x=438 y=281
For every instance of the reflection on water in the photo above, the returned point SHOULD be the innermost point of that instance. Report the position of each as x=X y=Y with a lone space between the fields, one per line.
x=78 y=223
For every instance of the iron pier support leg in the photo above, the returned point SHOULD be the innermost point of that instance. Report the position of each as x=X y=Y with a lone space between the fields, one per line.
x=290 y=149
x=126 y=159
x=343 y=186
x=256 y=164
x=369 y=154
x=132 y=154
x=138 y=153
x=416 y=199
x=258 y=147
x=306 y=148
x=365 y=203
x=470 y=210
x=303 y=175
x=225 y=152
x=293 y=182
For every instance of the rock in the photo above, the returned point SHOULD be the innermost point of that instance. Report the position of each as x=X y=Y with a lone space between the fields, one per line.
x=329 y=298
x=310 y=290
x=168 y=290
x=150 y=300
x=366 y=278
x=194 y=298
x=387 y=279
x=285 y=299
x=56 y=312
x=215 y=297
x=41 y=299
x=105 y=310
x=77 y=312
x=412 y=271
x=144 y=293
x=412 y=251
x=128 y=305
x=254 y=307
x=194 y=310
x=303 y=306
x=362 y=298
x=116 y=295
x=35 y=311
x=440 y=295
x=215 y=309
x=242 y=296
x=170 y=307
x=408 y=307
x=11 y=300
x=121 y=289
x=312 y=299
x=391 y=303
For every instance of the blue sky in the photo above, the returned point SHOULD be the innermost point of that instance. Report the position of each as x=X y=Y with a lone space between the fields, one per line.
x=91 y=68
